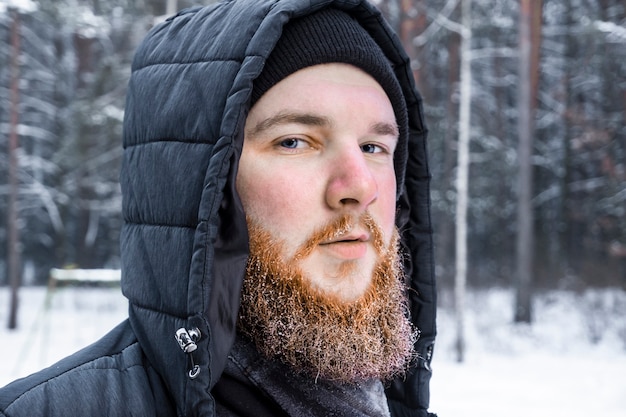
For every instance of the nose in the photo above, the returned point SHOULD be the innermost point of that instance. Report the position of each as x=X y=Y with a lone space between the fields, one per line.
x=352 y=183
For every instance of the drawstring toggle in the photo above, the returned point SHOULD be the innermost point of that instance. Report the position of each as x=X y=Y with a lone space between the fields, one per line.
x=187 y=339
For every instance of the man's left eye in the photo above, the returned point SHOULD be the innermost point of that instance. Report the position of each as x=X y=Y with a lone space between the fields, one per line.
x=371 y=148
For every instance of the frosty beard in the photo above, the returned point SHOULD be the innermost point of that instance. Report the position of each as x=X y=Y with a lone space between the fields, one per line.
x=317 y=333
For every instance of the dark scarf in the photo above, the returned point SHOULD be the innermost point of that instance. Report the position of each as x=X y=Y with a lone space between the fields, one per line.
x=253 y=385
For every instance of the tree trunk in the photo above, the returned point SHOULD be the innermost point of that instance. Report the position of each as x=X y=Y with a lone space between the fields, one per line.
x=529 y=40
x=462 y=181
x=445 y=233
x=412 y=24
x=171 y=7
x=565 y=198
x=13 y=243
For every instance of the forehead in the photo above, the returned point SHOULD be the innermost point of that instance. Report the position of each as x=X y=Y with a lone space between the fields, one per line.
x=322 y=88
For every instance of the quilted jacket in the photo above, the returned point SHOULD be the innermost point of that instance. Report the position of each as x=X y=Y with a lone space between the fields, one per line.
x=184 y=242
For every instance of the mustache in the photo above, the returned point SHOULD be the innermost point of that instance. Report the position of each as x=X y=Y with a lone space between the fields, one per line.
x=339 y=227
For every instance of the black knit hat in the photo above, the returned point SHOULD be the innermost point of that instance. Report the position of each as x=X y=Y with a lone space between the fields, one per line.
x=330 y=36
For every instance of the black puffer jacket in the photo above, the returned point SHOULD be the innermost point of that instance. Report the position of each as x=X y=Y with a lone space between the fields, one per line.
x=184 y=240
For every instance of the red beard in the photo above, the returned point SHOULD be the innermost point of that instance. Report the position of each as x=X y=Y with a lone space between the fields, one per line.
x=317 y=333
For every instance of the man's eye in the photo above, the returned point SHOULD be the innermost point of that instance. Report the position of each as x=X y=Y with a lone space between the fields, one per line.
x=371 y=148
x=290 y=143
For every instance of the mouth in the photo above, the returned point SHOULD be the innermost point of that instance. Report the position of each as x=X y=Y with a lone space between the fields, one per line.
x=348 y=238
x=351 y=247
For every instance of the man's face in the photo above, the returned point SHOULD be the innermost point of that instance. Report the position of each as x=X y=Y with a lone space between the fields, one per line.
x=319 y=146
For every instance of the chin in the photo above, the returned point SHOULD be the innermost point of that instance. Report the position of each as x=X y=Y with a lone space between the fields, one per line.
x=346 y=280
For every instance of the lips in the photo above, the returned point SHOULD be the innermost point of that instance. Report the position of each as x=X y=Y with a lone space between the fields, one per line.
x=351 y=247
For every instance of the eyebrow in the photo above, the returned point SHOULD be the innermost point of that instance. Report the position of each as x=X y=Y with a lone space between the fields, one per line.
x=306 y=119
x=385 y=129
x=309 y=119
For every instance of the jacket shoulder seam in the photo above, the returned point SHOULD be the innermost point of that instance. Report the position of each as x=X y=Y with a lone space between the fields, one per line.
x=193 y=62
x=175 y=226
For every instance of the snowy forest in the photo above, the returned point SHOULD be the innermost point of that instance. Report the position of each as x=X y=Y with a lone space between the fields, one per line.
x=534 y=90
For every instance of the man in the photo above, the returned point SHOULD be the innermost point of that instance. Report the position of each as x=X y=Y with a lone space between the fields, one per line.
x=276 y=250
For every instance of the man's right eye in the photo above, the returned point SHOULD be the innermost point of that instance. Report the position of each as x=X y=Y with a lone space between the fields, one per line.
x=290 y=143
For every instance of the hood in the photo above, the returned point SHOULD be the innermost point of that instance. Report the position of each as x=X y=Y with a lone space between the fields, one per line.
x=184 y=242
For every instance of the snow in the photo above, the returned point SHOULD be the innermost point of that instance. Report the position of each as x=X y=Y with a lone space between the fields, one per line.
x=570 y=362
x=23 y=5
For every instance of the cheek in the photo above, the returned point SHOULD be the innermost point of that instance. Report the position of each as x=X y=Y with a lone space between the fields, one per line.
x=273 y=200
x=387 y=199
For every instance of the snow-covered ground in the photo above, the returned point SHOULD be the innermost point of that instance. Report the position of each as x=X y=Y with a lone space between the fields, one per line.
x=570 y=362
